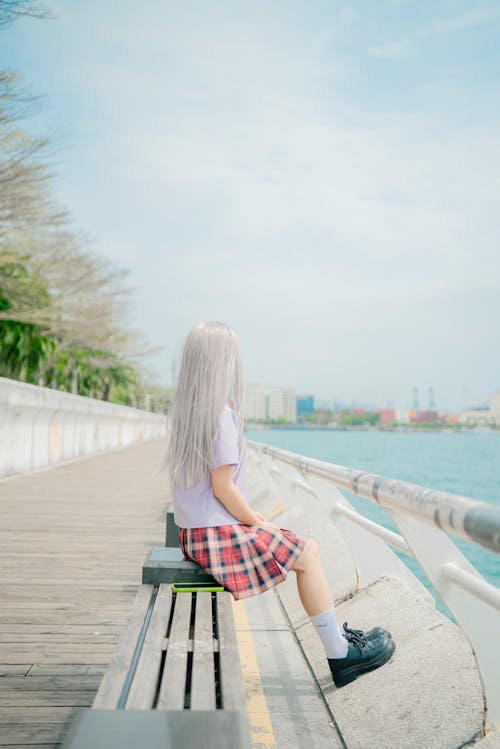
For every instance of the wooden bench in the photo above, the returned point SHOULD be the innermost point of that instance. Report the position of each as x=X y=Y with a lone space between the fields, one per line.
x=175 y=679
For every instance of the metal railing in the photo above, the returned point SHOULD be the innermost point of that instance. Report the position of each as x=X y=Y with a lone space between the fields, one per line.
x=425 y=519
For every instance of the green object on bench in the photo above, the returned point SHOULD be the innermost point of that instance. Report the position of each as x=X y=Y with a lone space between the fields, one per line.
x=196 y=588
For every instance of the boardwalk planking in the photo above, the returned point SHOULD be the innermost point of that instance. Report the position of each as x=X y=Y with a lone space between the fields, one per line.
x=72 y=543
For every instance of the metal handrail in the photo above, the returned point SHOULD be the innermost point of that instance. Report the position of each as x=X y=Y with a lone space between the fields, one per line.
x=476 y=586
x=470 y=519
x=394 y=539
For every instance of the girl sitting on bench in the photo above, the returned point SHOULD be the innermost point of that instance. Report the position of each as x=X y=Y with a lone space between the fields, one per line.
x=240 y=548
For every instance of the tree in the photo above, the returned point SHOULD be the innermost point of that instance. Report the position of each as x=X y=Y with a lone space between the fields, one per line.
x=64 y=310
x=25 y=200
x=11 y=10
x=311 y=418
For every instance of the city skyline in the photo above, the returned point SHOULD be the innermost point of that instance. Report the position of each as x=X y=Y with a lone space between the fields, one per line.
x=424 y=405
x=357 y=402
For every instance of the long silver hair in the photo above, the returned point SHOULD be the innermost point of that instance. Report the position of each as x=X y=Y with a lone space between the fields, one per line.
x=210 y=375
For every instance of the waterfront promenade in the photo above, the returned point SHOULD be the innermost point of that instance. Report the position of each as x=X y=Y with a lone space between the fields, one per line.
x=72 y=543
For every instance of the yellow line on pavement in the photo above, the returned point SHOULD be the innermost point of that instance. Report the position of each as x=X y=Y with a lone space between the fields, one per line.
x=261 y=727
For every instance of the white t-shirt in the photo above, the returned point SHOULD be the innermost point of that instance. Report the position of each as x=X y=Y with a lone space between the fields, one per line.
x=198 y=507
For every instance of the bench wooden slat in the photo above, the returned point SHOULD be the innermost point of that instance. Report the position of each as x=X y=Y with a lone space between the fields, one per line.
x=172 y=688
x=112 y=683
x=143 y=687
x=232 y=689
x=203 y=675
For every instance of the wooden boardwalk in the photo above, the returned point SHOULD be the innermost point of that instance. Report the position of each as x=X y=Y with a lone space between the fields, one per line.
x=73 y=540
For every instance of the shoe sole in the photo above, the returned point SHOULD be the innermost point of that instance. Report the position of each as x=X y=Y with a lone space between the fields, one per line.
x=355 y=671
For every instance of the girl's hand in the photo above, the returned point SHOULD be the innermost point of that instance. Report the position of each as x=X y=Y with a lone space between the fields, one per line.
x=261 y=518
x=270 y=524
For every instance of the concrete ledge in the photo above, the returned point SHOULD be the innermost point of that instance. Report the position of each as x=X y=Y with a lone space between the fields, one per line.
x=427 y=696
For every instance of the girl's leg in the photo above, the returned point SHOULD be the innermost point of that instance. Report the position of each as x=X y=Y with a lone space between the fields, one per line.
x=312 y=584
x=345 y=662
x=316 y=599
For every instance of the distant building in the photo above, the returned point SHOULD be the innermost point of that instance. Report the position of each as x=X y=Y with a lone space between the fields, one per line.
x=483 y=416
x=402 y=415
x=387 y=415
x=323 y=416
x=427 y=417
x=305 y=404
x=264 y=403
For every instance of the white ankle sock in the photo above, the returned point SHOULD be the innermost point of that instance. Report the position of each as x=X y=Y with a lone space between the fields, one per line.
x=333 y=640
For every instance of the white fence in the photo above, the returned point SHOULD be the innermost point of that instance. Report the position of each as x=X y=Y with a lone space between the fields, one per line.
x=40 y=426
x=425 y=519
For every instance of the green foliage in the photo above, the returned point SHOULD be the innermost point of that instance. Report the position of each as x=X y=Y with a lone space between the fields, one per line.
x=279 y=420
x=27 y=354
x=23 y=350
x=19 y=281
x=366 y=417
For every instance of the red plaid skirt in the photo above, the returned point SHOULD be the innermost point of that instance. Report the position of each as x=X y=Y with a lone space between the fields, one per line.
x=245 y=559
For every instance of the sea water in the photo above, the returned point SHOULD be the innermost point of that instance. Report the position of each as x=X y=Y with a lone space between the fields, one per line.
x=465 y=463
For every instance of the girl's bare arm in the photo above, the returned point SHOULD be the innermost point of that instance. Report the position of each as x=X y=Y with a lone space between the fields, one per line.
x=231 y=497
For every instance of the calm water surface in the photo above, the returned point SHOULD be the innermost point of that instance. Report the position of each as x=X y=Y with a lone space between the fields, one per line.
x=465 y=463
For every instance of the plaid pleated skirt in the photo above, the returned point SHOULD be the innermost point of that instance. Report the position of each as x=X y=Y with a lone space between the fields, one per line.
x=245 y=559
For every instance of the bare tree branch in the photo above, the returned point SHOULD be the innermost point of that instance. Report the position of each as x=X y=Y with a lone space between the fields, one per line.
x=10 y=10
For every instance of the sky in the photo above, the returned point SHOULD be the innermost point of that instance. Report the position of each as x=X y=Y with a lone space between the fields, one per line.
x=321 y=176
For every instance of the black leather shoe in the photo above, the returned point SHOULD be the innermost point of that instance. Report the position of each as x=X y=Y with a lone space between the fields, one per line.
x=370 y=635
x=362 y=655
